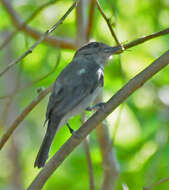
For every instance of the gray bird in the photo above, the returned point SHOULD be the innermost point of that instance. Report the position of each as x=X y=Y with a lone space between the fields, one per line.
x=74 y=90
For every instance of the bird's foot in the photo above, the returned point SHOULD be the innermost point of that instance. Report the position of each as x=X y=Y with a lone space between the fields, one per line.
x=70 y=129
x=97 y=106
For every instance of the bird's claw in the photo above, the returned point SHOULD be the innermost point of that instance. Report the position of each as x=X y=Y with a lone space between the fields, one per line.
x=100 y=105
x=70 y=129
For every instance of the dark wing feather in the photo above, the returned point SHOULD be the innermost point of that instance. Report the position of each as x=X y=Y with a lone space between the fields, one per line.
x=71 y=88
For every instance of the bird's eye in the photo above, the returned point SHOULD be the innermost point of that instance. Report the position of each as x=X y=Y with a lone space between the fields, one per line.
x=95 y=45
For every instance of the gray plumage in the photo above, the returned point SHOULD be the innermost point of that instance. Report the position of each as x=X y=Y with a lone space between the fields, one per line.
x=74 y=90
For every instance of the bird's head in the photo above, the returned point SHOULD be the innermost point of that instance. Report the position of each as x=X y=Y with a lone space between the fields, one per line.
x=98 y=51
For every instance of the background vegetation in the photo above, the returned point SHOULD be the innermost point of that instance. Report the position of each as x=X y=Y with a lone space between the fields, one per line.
x=138 y=129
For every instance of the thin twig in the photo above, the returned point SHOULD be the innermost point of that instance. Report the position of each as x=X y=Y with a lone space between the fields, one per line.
x=54 y=41
x=98 y=117
x=28 y=20
x=35 y=81
x=146 y=38
x=108 y=23
x=40 y=39
x=22 y=116
x=156 y=184
x=142 y=40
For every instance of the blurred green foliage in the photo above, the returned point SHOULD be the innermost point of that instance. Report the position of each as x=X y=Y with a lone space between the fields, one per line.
x=141 y=142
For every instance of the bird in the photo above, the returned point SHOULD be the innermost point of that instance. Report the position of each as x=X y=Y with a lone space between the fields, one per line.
x=74 y=91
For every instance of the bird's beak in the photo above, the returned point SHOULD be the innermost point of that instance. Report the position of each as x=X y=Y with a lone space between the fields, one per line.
x=113 y=50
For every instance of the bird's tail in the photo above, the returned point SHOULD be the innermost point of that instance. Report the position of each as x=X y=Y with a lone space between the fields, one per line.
x=47 y=141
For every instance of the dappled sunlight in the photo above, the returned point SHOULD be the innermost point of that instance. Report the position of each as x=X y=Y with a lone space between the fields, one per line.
x=34 y=60
x=133 y=64
x=128 y=132
x=142 y=156
x=144 y=97
x=163 y=94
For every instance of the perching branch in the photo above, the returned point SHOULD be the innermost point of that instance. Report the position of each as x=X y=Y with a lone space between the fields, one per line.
x=131 y=44
x=98 y=117
x=22 y=116
x=42 y=37
x=15 y=18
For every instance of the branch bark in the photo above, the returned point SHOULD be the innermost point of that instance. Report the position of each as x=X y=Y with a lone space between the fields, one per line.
x=89 y=163
x=108 y=163
x=98 y=117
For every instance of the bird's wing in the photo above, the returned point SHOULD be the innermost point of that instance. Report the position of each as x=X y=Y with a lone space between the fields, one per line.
x=75 y=83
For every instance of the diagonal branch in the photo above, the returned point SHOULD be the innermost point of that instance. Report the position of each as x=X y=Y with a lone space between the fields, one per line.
x=146 y=38
x=128 y=45
x=42 y=37
x=142 y=40
x=15 y=18
x=98 y=117
x=22 y=116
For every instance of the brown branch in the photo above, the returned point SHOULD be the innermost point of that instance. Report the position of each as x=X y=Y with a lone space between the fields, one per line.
x=40 y=39
x=15 y=18
x=35 y=81
x=142 y=40
x=156 y=184
x=108 y=23
x=89 y=161
x=139 y=41
x=22 y=116
x=81 y=21
x=146 y=38
x=98 y=117
x=108 y=163
x=88 y=157
x=90 y=19
x=110 y=173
